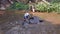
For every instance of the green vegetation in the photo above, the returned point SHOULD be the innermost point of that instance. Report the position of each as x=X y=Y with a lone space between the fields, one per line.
x=41 y=6
x=18 y=6
x=48 y=8
x=55 y=1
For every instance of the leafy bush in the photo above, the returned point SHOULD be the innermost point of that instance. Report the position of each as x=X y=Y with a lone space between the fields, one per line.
x=56 y=4
x=55 y=1
x=18 y=6
x=41 y=6
x=56 y=7
x=49 y=8
x=44 y=7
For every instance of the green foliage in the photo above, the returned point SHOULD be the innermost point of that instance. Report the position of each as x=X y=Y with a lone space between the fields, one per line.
x=41 y=6
x=18 y=6
x=48 y=8
x=56 y=7
x=55 y=1
x=56 y=4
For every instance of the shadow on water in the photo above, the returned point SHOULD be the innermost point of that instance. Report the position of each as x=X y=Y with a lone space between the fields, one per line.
x=13 y=26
